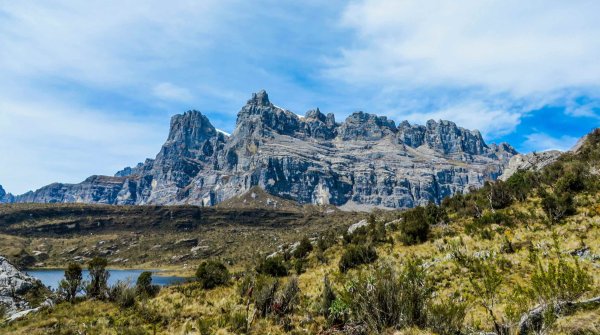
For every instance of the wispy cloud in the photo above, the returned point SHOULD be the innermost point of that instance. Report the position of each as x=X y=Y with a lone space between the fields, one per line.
x=542 y=142
x=506 y=46
x=519 y=55
x=168 y=91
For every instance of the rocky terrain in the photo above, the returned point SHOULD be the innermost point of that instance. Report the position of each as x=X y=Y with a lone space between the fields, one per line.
x=363 y=162
x=531 y=161
x=14 y=284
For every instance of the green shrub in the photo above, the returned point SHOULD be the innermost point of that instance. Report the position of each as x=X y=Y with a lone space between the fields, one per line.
x=339 y=311
x=326 y=240
x=386 y=298
x=327 y=297
x=557 y=207
x=303 y=249
x=299 y=266
x=572 y=181
x=122 y=294
x=263 y=295
x=435 y=214
x=356 y=255
x=238 y=322
x=414 y=226
x=446 y=316
x=359 y=236
x=521 y=183
x=498 y=194
x=72 y=283
x=496 y=217
x=98 y=285
x=144 y=286
x=273 y=266
x=553 y=283
x=286 y=300
x=211 y=274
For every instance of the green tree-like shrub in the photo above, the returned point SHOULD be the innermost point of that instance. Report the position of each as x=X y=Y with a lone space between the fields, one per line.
x=144 y=287
x=98 y=285
x=414 y=226
x=72 y=283
x=211 y=274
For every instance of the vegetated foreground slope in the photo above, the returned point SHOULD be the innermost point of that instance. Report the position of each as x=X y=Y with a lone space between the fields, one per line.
x=515 y=257
x=51 y=235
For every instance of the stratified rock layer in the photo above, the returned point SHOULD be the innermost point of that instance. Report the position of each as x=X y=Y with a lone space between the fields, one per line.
x=363 y=162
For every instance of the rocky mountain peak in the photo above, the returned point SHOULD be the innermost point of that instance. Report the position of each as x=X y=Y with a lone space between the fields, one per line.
x=2 y=192
x=364 y=161
x=365 y=126
x=260 y=98
x=315 y=114
x=190 y=128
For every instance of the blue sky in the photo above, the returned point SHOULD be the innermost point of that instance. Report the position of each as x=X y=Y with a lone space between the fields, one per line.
x=88 y=87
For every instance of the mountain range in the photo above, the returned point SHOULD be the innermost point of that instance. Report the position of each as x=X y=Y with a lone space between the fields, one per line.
x=363 y=162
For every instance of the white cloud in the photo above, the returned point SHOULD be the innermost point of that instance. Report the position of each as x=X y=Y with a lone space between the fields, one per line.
x=502 y=57
x=542 y=142
x=45 y=142
x=101 y=42
x=505 y=46
x=168 y=91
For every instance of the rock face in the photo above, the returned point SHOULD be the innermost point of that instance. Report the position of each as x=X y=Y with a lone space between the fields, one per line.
x=13 y=284
x=363 y=162
x=5 y=197
x=531 y=161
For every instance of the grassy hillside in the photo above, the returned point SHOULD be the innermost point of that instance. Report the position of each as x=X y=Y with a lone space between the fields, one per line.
x=521 y=256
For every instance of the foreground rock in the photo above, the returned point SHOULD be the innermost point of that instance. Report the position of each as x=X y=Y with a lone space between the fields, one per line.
x=14 y=285
x=364 y=162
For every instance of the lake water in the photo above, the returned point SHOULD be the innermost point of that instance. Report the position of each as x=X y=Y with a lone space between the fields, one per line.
x=51 y=277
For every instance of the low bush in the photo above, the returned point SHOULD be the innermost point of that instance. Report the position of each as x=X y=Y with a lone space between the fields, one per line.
x=211 y=274
x=273 y=266
x=286 y=300
x=303 y=249
x=328 y=296
x=356 y=255
x=386 y=298
x=122 y=294
x=326 y=240
x=557 y=207
x=446 y=316
x=263 y=294
x=414 y=226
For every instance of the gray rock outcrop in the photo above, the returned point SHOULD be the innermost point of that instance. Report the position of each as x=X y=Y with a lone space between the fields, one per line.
x=363 y=162
x=13 y=284
x=531 y=161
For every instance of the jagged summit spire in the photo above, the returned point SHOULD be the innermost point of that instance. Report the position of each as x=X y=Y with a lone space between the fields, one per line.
x=190 y=126
x=261 y=98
